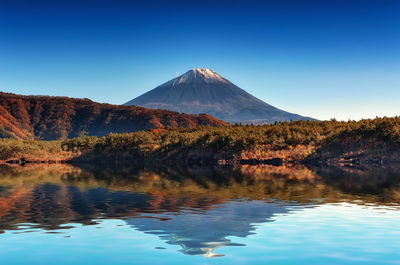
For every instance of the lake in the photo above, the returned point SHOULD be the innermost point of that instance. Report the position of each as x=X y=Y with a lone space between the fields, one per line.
x=60 y=214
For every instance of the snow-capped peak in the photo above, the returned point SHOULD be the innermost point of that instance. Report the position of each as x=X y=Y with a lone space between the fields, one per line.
x=206 y=74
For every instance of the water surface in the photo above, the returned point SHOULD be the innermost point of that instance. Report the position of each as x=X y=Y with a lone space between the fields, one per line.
x=60 y=214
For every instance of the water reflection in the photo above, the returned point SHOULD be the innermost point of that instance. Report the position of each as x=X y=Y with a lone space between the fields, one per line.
x=200 y=233
x=198 y=209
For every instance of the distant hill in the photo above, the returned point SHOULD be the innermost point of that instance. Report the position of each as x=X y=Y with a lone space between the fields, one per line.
x=205 y=91
x=50 y=118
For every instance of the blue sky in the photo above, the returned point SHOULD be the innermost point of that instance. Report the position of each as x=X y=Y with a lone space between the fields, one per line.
x=324 y=59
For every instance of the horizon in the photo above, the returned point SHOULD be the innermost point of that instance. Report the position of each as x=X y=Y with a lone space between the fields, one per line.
x=336 y=59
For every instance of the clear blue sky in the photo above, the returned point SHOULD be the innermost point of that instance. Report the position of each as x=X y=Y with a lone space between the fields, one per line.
x=324 y=59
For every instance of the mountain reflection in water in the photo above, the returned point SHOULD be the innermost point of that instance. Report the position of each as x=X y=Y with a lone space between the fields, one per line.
x=198 y=209
x=199 y=233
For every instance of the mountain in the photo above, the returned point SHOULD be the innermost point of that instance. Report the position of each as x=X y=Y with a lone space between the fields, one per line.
x=50 y=118
x=205 y=91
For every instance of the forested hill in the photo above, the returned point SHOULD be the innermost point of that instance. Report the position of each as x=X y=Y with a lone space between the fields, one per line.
x=50 y=118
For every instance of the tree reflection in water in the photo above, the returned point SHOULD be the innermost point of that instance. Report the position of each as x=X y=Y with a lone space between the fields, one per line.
x=198 y=209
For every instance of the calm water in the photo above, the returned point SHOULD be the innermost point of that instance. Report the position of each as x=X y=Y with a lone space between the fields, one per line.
x=60 y=214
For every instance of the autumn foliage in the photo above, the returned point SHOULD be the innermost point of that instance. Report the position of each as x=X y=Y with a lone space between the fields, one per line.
x=288 y=141
x=51 y=118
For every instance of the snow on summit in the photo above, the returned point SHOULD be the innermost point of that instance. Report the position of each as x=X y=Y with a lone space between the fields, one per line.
x=203 y=73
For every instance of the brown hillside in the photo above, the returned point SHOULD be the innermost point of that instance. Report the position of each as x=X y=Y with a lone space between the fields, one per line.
x=50 y=118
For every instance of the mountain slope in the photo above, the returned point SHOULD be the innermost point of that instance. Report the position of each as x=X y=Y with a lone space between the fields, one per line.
x=50 y=118
x=205 y=91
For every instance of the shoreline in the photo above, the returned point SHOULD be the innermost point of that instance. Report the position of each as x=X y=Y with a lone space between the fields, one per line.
x=355 y=162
